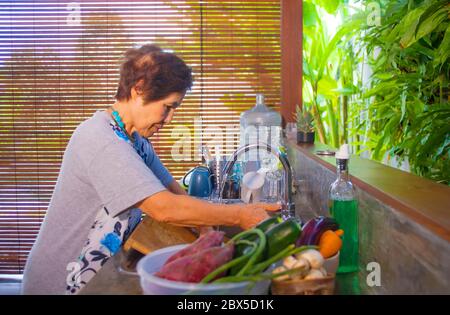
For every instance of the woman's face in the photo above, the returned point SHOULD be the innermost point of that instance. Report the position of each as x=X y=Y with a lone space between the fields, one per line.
x=150 y=117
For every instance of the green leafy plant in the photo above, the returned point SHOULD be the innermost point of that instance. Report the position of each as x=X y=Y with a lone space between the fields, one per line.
x=328 y=62
x=408 y=95
x=384 y=88
x=304 y=118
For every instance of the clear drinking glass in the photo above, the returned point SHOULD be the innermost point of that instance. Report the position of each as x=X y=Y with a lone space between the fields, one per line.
x=291 y=130
x=272 y=188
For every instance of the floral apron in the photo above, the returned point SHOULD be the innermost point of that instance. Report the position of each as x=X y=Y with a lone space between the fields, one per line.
x=107 y=233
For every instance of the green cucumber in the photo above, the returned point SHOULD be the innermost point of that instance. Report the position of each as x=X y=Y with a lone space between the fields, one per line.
x=281 y=236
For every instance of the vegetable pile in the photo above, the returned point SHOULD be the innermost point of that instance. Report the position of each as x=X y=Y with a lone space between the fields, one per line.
x=248 y=255
x=308 y=265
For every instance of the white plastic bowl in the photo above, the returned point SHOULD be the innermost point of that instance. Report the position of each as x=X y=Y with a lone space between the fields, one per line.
x=151 y=284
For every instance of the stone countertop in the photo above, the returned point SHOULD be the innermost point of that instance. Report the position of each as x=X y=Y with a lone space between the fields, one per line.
x=111 y=279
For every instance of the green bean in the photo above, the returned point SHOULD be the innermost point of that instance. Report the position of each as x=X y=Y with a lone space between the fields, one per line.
x=259 y=251
x=302 y=248
x=255 y=278
x=280 y=255
x=288 y=251
x=287 y=272
x=235 y=279
x=237 y=240
x=230 y=264
x=246 y=242
x=241 y=235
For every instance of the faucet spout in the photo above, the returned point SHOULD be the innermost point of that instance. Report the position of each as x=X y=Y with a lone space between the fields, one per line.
x=288 y=206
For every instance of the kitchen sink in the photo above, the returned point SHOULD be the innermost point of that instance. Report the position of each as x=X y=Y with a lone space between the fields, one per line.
x=126 y=261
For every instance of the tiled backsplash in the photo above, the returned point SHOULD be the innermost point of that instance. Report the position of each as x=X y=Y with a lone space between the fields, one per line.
x=413 y=260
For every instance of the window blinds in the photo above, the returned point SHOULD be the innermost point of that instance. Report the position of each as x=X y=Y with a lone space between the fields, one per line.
x=59 y=64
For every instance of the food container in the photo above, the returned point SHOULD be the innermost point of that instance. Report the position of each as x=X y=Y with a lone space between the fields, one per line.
x=322 y=286
x=331 y=264
x=151 y=284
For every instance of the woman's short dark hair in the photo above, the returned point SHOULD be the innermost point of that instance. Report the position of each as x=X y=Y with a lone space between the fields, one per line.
x=154 y=73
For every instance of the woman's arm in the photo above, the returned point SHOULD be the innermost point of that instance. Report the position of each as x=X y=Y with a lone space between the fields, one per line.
x=175 y=188
x=184 y=210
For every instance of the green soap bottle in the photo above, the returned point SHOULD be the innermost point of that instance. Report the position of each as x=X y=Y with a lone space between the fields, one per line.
x=344 y=208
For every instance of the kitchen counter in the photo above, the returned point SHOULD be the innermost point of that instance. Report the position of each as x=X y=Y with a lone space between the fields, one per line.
x=109 y=280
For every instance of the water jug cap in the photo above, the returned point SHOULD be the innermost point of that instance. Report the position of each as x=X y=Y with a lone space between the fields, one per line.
x=259 y=99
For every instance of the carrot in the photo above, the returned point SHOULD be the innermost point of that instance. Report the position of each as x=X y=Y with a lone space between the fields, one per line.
x=207 y=240
x=330 y=243
x=194 y=268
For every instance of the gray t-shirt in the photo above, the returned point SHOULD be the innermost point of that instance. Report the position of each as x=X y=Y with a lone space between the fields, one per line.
x=90 y=214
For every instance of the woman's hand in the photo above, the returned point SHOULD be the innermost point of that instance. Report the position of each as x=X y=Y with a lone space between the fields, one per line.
x=251 y=214
x=204 y=229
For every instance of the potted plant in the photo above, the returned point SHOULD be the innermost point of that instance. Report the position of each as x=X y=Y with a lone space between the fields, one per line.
x=305 y=124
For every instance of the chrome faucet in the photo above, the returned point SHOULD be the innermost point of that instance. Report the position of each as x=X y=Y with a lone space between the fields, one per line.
x=288 y=206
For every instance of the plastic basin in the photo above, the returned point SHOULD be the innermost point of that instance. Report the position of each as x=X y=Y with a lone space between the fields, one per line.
x=151 y=284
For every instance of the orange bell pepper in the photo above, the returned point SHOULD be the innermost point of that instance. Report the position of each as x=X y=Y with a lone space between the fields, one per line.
x=330 y=243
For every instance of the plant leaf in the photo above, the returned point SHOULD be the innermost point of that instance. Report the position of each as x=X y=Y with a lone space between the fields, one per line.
x=405 y=29
x=345 y=30
x=329 y=5
x=327 y=86
x=426 y=27
x=310 y=16
x=443 y=52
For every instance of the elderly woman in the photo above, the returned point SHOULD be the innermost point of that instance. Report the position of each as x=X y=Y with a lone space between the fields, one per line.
x=110 y=174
